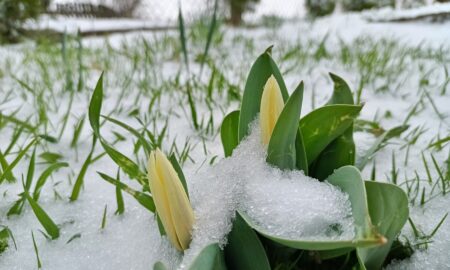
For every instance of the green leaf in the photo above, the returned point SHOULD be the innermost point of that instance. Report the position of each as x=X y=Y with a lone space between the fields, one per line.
x=9 y=176
x=80 y=178
x=119 y=197
x=211 y=29
x=388 y=209
x=210 y=258
x=182 y=31
x=141 y=197
x=44 y=176
x=338 y=153
x=341 y=92
x=281 y=151
x=177 y=167
x=159 y=266
x=349 y=180
x=300 y=153
x=8 y=170
x=126 y=164
x=133 y=131
x=229 y=132
x=48 y=224
x=36 y=251
x=95 y=106
x=30 y=172
x=378 y=144
x=244 y=250
x=341 y=151
x=260 y=72
x=320 y=127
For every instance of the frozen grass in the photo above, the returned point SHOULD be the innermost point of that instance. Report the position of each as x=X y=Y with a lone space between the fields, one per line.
x=46 y=88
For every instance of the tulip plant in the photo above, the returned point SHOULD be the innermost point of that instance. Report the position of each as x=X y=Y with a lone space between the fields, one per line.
x=320 y=144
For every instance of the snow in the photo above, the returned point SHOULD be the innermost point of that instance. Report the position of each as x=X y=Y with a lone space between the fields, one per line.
x=426 y=219
x=288 y=204
x=389 y=14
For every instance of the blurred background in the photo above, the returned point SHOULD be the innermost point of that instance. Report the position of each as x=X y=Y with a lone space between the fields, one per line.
x=19 y=18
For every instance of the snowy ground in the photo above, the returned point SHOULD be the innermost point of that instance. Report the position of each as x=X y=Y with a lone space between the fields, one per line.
x=401 y=68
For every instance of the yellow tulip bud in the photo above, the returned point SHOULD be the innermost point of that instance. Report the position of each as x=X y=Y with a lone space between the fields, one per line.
x=271 y=106
x=171 y=201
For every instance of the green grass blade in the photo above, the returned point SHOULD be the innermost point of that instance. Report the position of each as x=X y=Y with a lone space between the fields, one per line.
x=80 y=178
x=16 y=160
x=212 y=27
x=36 y=251
x=119 y=197
x=46 y=222
x=177 y=167
x=142 y=198
x=44 y=176
x=133 y=131
x=182 y=30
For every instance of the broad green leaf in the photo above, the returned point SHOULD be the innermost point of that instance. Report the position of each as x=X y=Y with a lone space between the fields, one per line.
x=349 y=180
x=260 y=72
x=244 y=250
x=341 y=91
x=308 y=244
x=141 y=197
x=229 y=132
x=281 y=150
x=341 y=151
x=48 y=224
x=177 y=167
x=388 y=209
x=320 y=127
x=210 y=258
x=159 y=266
x=44 y=176
x=338 y=153
x=301 y=162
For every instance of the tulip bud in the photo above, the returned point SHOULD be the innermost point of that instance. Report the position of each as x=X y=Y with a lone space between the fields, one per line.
x=271 y=106
x=171 y=201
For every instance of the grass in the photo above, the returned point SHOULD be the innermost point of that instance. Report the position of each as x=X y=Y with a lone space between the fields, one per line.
x=171 y=90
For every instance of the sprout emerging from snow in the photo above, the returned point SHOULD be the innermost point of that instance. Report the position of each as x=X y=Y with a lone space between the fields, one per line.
x=171 y=201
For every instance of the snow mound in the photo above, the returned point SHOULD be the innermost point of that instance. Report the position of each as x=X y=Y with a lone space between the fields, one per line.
x=436 y=255
x=285 y=203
